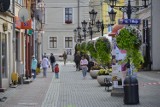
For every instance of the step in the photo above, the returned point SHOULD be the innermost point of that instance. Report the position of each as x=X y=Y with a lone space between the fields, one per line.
x=27 y=81
x=3 y=89
x=118 y=92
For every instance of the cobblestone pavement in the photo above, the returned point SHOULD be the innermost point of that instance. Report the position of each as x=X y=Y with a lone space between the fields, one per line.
x=72 y=91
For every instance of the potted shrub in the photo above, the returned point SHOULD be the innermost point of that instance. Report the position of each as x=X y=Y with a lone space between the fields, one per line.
x=103 y=48
x=91 y=49
x=129 y=39
x=94 y=70
x=102 y=74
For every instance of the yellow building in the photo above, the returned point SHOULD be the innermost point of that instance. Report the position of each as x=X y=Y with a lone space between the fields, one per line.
x=105 y=16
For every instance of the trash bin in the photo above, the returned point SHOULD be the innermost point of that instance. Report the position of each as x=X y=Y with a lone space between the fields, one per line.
x=131 y=93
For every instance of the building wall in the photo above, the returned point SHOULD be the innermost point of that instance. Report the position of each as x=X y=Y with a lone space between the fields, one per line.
x=6 y=18
x=55 y=25
x=106 y=18
x=155 y=34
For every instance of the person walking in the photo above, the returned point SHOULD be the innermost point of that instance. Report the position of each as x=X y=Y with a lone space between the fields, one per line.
x=57 y=71
x=52 y=61
x=77 y=61
x=84 y=63
x=45 y=66
x=34 y=66
x=64 y=57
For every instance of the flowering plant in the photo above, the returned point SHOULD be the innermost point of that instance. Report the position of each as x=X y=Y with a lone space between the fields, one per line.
x=104 y=71
x=129 y=39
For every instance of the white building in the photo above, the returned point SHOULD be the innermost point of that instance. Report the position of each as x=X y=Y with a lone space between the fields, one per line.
x=62 y=17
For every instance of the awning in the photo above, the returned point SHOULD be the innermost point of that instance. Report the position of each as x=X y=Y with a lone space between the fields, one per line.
x=115 y=30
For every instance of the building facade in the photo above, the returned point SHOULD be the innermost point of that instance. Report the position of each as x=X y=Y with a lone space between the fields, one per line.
x=62 y=17
x=6 y=61
x=106 y=18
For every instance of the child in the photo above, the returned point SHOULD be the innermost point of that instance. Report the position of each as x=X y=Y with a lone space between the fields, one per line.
x=56 y=71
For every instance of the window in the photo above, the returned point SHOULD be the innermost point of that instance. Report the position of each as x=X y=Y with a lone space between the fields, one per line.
x=19 y=2
x=68 y=42
x=38 y=1
x=53 y=42
x=68 y=15
x=3 y=53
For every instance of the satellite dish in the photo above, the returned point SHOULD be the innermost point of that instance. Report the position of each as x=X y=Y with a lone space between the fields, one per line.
x=23 y=14
x=4 y=5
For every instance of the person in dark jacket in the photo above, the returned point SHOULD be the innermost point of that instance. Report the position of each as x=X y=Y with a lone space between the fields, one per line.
x=77 y=61
x=52 y=61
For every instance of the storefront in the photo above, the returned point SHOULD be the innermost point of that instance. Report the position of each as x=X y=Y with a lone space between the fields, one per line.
x=5 y=51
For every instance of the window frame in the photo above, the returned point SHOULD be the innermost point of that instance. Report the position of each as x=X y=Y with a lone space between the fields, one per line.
x=68 y=42
x=54 y=40
x=68 y=15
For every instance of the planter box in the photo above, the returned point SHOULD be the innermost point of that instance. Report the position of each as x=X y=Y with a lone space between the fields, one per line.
x=101 y=78
x=93 y=73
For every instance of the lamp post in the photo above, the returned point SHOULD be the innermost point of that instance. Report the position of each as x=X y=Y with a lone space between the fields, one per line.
x=93 y=15
x=75 y=34
x=90 y=30
x=84 y=24
x=79 y=36
x=126 y=9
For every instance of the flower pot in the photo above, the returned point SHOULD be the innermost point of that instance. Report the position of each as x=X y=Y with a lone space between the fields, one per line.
x=101 y=78
x=93 y=73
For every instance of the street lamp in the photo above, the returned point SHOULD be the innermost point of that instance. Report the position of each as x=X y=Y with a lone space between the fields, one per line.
x=98 y=25
x=93 y=15
x=112 y=15
x=84 y=24
x=79 y=30
x=127 y=9
x=75 y=33
x=90 y=30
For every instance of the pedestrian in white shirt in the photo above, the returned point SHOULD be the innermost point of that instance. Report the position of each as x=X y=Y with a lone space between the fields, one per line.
x=45 y=65
x=84 y=63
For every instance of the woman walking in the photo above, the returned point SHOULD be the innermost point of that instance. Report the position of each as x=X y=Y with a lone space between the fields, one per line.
x=45 y=65
x=84 y=63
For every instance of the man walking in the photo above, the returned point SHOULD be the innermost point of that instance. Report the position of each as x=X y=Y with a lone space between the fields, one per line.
x=64 y=57
x=77 y=61
x=52 y=61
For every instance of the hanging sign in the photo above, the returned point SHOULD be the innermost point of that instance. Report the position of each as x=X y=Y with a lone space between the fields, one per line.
x=26 y=25
x=17 y=22
x=129 y=21
x=4 y=5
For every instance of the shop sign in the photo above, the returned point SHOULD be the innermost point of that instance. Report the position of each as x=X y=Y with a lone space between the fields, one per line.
x=30 y=32
x=17 y=22
x=26 y=25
